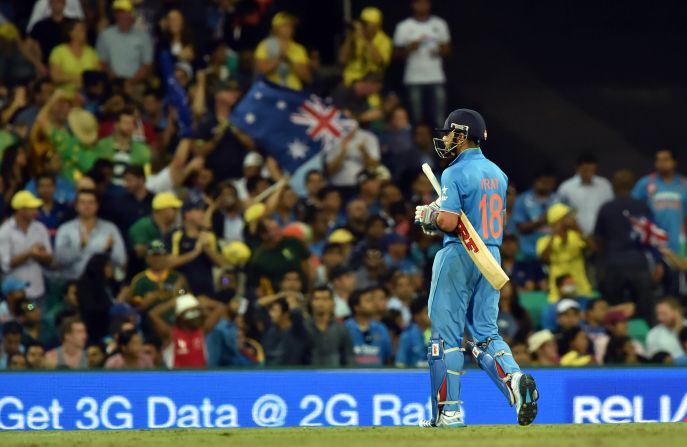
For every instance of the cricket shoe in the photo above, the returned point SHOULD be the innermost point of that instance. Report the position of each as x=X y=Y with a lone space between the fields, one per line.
x=526 y=396
x=447 y=419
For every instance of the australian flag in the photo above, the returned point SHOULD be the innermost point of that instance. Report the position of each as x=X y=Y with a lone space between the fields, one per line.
x=292 y=127
x=647 y=233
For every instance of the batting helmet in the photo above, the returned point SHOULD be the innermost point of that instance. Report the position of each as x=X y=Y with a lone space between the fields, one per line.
x=467 y=124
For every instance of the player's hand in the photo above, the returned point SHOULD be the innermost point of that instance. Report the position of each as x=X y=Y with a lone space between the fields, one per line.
x=423 y=215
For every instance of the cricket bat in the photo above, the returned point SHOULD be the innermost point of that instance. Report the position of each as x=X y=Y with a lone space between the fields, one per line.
x=473 y=243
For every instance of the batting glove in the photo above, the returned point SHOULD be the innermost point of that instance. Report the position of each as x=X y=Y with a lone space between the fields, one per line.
x=425 y=216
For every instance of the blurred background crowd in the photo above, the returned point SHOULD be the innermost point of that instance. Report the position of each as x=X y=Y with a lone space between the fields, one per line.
x=141 y=228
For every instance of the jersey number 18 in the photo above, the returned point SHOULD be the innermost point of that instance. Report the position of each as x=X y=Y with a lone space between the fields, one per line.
x=492 y=215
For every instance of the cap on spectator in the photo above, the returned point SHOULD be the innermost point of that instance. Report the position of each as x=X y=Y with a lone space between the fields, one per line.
x=372 y=15
x=557 y=212
x=236 y=253
x=13 y=284
x=565 y=305
x=341 y=236
x=164 y=200
x=123 y=5
x=614 y=317
x=538 y=339
x=188 y=306
x=253 y=159
x=254 y=212
x=185 y=67
x=156 y=247
x=9 y=32
x=382 y=173
x=339 y=271
x=283 y=18
x=25 y=200
x=298 y=230
x=83 y=125
x=194 y=204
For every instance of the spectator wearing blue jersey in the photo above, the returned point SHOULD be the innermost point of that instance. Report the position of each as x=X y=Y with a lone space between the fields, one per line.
x=371 y=341
x=412 y=346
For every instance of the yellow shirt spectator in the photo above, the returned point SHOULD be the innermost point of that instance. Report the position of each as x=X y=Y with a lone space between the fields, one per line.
x=71 y=65
x=284 y=73
x=366 y=49
x=566 y=258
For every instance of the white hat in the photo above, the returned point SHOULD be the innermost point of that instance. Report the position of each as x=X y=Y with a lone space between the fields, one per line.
x=185 y=303
x=253 y=159
x=565 y=305
x=538 y=339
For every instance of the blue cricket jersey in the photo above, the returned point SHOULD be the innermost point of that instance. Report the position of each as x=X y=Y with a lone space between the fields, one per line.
x=412 y=347
x=529 y=207
x=474 y=185
x=668 y=202
x=371 y=347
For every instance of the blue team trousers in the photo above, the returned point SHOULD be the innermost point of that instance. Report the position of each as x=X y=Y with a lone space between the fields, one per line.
x=460 y=295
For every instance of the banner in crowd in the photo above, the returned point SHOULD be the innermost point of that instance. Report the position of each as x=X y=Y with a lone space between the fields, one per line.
x=227 y=399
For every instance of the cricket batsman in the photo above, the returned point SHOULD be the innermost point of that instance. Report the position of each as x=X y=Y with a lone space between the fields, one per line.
x=460 y=295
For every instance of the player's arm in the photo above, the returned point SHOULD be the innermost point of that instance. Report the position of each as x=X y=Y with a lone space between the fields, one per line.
x=447 y=221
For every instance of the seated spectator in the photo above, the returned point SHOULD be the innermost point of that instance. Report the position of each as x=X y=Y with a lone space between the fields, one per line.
x=126 y=51
x=222 y=341
x=184 y=341
x=14 y=291
x=568 y=314
x=129 y=353
x=373 y=270
x=70 y=60
x=279 y=58
x=621 y=351
x=37 y=328
x=403 y=296
x=71 y=353
x=564 y=251
x=25 y=248
x=156 y=227
x=543 y=348
x=397 y=256
x=331 y=200
x=343 y=282
x=286 y=340
x=366 y=48
x=594 y=317
x=226 y=213
x=664 y=336
x=412 y=345
x=286 y=211
x=521 y=354
x=357 y=215
x=52 y=213
x=97 y=355
x=87 y=235
x=16 y=362
x=11 y=343
x=616 y=324
x=151 y=349
x=358 y=151
x=513 y=319
x=194 y=251
x=314 y=183
x=382 y=312
x=331 y=258
x=526 y=276
x=371 y=340
x=35 y=355
x=331 y=343
x=575 y=348
x=374 y=238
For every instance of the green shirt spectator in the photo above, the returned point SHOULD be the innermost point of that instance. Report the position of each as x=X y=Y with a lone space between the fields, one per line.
x=157 y=226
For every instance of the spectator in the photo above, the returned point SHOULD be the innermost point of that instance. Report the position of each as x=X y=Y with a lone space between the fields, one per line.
x=543 y=348
x=568 y=314
x=35 y=355
x=520 y=352
x=177 y=37
x=122 y=149
x=37 y=328
x=81 y=238
x=16 y=362
x=331 y=342
x=286 y=339
x=625 y=274
x=361 y=100
x=594 y=317
x=412 y=346
x=43 y=8
x=513 y=319
x=14 y=170
x=125 y=50
x=136 y=203
x=371 y=341
x=529 y=215
x=564 y=250
x=373 y=269
x=525 y=275
x=397 y=147
x=397 y=256
x=52 y=213
x=47 y=32
x=226 y=213
x=25 y=248
x=366 y=48
x=95 y=352
x=70 y=60
x=14 y=291
x=616 y=323
x=511 y=197
x=21 y=62
x=664 y=336
x=280 y=59
x=158 y=226
x=314 y=183
x=70 y=354
x=194 y=251
x=222 y=341
x=11 y=343
x=184 y=341
x=151 y=349
x=574 y=348
x=130 y=353
x=40 y=92
x=403 y=296
x=275 y=256
x=356 y=152
x=422 y=41
x=374 y=238
x=621 y=351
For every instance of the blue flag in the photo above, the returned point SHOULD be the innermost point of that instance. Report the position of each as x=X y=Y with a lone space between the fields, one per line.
x=177 y=96
x=292 y=127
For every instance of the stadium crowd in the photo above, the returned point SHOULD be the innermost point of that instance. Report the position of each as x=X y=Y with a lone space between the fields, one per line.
x=138 y=233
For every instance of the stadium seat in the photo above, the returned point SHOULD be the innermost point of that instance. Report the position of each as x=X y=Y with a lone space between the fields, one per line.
x=534 y=302
x=637 y=328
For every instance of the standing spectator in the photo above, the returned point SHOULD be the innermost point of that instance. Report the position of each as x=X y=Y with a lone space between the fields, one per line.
x=41 y=90
x=125 y=50
x=222 y=341
x=366 y=47
x=543 y=348
x=226 y=213
x=412 y=346
x=625 y=274
x=157 y=226
x=564 y=251
x=96 y=295
x=52 y=213
x=586 y=192
x=286 y=340
x=331 y=342
x=11 y=343
x=529 y=214
x=664 y=336
x=35 y=355
x=70 y=60
x=280 y=59
x=71 y=353
x=371 y=341
x=177 y=37
x=194 y=250
x=130 y=353
x=422 y=41
x=43 y=9
x=356 y=152
x=85 y=236
x=47 y=33
x=25 y=247
x=122 y=149
x=136 y=203
x=398 y=149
